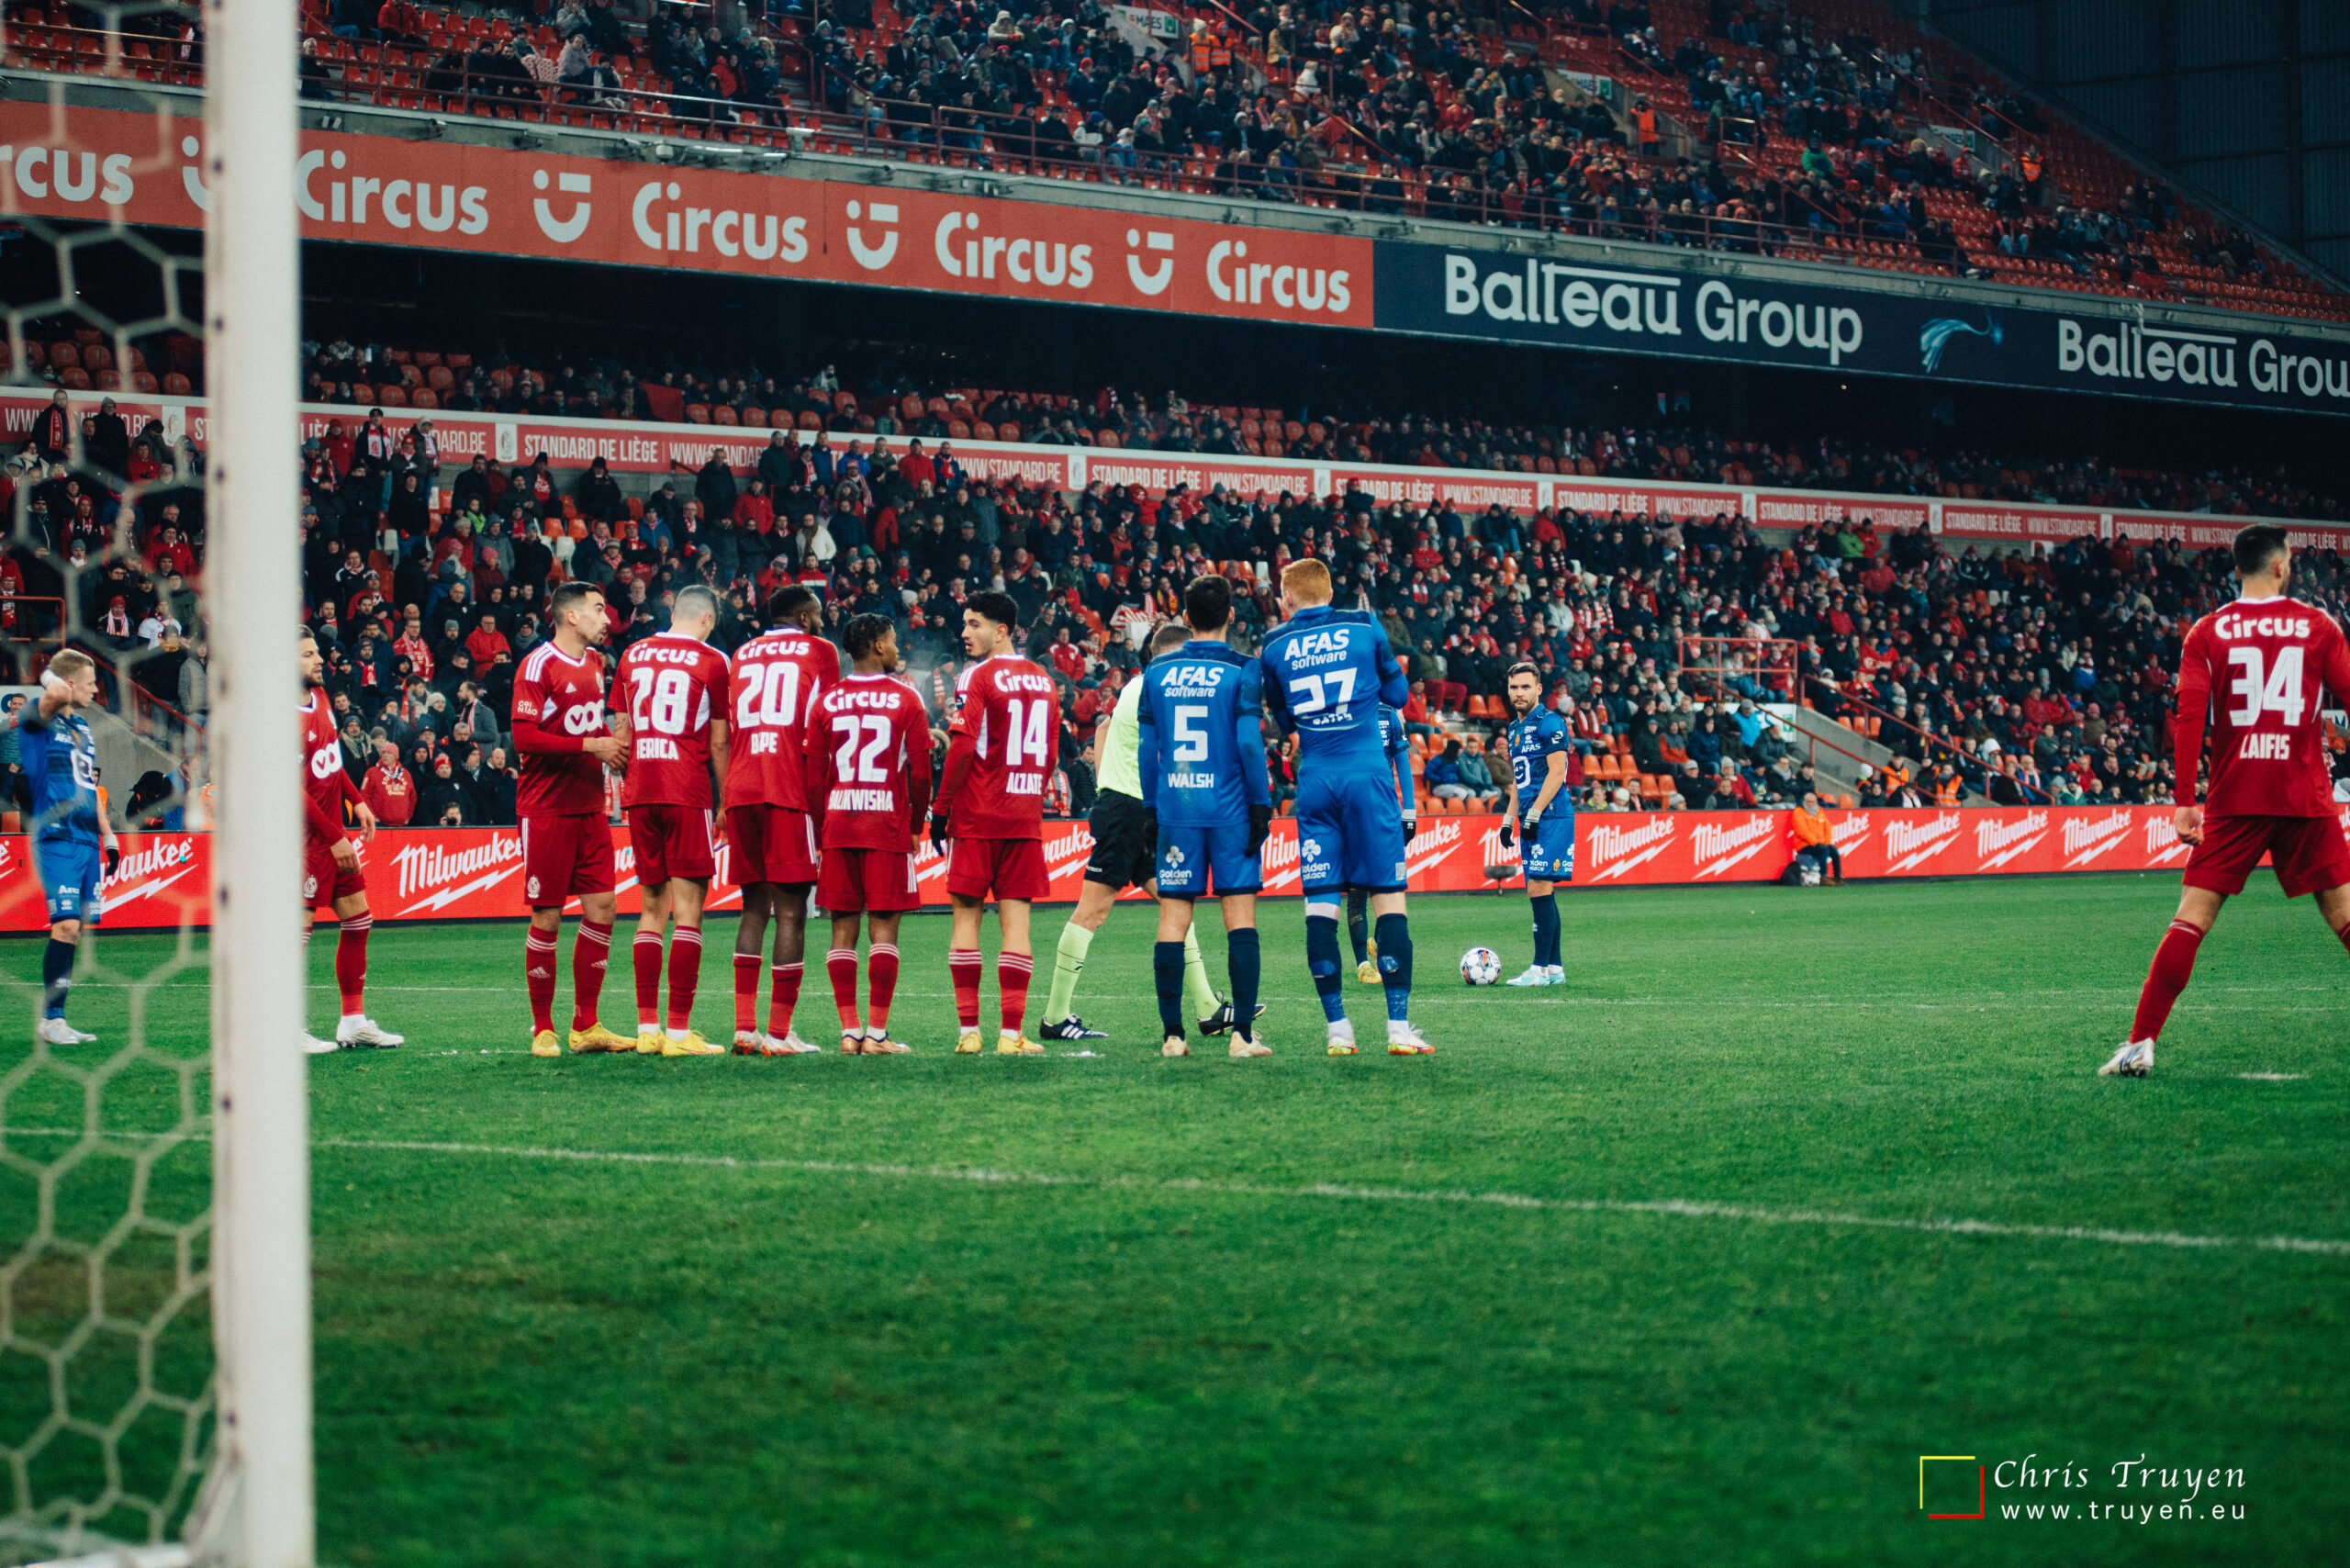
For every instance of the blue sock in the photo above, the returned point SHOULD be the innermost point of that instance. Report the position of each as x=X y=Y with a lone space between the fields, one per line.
x=1546 y=929
x=1395 y=964
x=1321 y=963
x=1358 y=925
x=56 y=976
x=1243 y=959
x=1167 y=967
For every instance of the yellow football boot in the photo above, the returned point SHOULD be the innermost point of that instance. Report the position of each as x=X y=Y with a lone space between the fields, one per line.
x=969 y=1044
x=1367 y=972
x=1016 y=1045
x=648 y=1040
x=542 y=1044
x=596 y=1038
x=693 y=1044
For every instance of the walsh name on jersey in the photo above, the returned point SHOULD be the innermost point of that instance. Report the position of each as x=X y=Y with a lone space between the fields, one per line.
x=1190 y=781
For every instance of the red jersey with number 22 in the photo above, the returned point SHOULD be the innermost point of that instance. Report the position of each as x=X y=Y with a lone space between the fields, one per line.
x=561 y=699
x=2255 y=668
x=868 y=763
x=671 y=687
x=1007 y=729
x=778 y=677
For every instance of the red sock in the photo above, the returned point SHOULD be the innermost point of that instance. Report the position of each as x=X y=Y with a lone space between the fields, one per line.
x=538 y=973
x=881 y=979
x=646 y=951
x=685 y=974
x=840 y=966
x=963 y=968
x=783 y=995
x=351 y=964
x=589 y=955
x=1011 y=972
x=746 y=992
x=2174 y=964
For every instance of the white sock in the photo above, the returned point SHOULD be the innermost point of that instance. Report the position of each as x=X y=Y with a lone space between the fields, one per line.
x=645 y=1030
x=1343 y=1029
x=677 y=1034
x=1008 y=1034
x=1399 y=1028
x=352 y=1020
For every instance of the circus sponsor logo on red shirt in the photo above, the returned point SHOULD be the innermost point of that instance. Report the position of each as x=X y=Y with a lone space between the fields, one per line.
x=1615 y=852
x=1716 y=845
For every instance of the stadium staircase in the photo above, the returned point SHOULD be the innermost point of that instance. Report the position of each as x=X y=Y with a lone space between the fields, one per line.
x=1836 y=751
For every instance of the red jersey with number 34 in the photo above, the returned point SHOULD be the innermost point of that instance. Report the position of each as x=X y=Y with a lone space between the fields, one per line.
x=868 y=763
x=561 y=699
x=778 y=677
x=1007 y=729
x=2256 y=670
x=671 y=688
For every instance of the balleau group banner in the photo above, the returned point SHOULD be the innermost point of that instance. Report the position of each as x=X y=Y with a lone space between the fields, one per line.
x=164 y=880
x=144 y=168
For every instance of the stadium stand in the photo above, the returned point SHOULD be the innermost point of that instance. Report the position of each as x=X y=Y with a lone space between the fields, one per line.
x=1823 y=131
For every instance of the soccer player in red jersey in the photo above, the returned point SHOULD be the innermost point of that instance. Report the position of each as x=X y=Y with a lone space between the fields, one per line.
x=2254 y=669
x=991 y=804
x=331 y=874
x=867 y=785
x=565 y=747
x=771 y=843
x=672 y=690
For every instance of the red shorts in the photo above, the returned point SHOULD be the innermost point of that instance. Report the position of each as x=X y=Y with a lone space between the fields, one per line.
x=323 y=881
x=2310 y=852
x=672 y=841
x=565 y=854
x=853 y=880
x=770 y=843
x=1001 y=867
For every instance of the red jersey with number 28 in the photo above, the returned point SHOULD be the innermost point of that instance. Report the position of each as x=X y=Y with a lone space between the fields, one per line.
x=1007 y=728
x=2256 y=668
x=671 y=688
x=778 y=677
x=558 y=703
x=868 y=763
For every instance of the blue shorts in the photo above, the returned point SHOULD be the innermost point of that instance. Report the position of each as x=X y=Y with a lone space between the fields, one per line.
x=1191 y=858
x=1350 y=831
x=69 y=874
x=1549 y=853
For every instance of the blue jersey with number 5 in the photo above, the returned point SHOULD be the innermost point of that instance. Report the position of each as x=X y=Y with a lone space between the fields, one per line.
x=1202 y=740
x=1326 y=672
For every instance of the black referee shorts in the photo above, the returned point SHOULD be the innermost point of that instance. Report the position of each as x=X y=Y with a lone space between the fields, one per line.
x=1122 y=856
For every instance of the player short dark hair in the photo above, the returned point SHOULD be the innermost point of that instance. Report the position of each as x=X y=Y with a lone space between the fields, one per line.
x=1523 y=667
x=566 y=598
x=997 y=606
x=863 y=632
x=695 y=600
x=1207 y=603
x=1172 y=635
x=2257 y=548
x=788 y=601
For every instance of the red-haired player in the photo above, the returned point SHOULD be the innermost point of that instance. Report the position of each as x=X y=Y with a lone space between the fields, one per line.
x=2254 y=669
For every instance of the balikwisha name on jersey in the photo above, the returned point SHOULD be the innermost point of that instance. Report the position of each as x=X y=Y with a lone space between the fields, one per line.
x=846 y=798
x=2263 y=626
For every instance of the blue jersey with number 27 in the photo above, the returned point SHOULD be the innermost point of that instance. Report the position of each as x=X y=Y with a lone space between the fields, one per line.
x=1326 y=672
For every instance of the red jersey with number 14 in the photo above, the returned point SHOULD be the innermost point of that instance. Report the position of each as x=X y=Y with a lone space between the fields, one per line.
x=559 y=702
x=1007 y=729
x=869 y=764
x=778 y=677
x=2256 y=668
x=671 y=688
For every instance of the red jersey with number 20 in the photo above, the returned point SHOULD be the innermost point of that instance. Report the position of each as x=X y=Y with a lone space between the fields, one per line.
x=559 y=703
x=671 y=688
x=869 y=764
x=1006 y=731
x=778 y=677
x=2256 y=668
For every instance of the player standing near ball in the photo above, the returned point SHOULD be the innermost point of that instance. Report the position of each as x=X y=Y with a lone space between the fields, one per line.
x=1326 y=673
x=1392 y=736
x=73 y=844
x=771 y=843
x=2253 y=671
x=1542 y=812
x=991 y=807
x=565 y=745
x=673 y=727
x=1206 y=805
x=332 y=873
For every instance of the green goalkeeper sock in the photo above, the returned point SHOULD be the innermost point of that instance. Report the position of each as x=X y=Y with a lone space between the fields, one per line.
x=1196 y=977
x=1068 y=962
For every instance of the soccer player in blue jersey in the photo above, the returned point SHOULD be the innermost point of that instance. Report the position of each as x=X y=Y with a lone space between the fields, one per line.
x=74 y=847
x=1392 y=737
x=1207 y=804
x=1542 y=811
x=1326 y=673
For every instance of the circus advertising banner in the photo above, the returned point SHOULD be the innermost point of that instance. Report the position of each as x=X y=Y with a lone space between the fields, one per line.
x=164 y=880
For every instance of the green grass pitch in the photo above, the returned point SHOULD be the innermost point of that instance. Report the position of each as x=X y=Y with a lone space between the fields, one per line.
x=1127 y=1311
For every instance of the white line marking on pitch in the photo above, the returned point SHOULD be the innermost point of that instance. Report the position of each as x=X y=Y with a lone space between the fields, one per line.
x=2272 y=1077
x=1676 y=1207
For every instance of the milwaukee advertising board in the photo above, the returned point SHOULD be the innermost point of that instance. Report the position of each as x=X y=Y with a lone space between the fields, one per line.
x=629 y=446
x=164 y=882
x=146 y=168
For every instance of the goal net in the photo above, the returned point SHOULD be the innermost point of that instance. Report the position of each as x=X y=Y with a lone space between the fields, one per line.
x=155 y=1301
